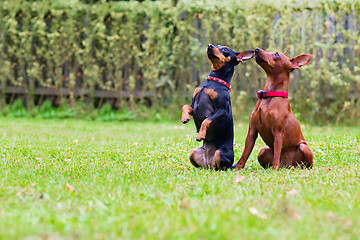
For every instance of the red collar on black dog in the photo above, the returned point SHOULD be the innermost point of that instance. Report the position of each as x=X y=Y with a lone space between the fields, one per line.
x=265 y=94
x=219 y=80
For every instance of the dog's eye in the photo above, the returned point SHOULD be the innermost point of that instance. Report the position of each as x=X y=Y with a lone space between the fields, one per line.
x=226 y=49
x=276 y=55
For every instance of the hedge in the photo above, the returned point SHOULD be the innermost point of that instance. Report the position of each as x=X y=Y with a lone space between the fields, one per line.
x=153 y=52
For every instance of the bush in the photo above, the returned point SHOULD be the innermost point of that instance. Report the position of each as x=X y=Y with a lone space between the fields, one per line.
x=17 y=108
x=154 y=50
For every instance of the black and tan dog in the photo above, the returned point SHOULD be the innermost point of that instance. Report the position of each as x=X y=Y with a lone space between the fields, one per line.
x=211 y=109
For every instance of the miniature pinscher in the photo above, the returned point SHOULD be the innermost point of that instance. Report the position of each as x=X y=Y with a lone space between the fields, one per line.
x=211 y=110
x=273 y=118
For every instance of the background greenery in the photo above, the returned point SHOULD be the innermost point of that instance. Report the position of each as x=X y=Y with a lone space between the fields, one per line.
x=132 y=54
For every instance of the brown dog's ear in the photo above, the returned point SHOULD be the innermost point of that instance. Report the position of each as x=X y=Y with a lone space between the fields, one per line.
x=245 y=55
x=300 y=60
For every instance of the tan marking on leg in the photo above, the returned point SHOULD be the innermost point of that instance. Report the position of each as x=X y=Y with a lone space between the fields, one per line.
x=209 y=151
x=204 y=126
x=211 y=92
x=197 y=158
x=216 y=161
x=197 y=90
x=187 y=110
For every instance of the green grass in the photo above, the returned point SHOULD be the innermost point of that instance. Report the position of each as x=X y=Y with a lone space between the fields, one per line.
x=133 y=180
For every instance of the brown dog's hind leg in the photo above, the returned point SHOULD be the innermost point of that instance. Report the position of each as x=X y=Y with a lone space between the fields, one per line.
x=295 y=156
x=287 y=157
x=308 y=156
x=266 y=157
x=299 y=156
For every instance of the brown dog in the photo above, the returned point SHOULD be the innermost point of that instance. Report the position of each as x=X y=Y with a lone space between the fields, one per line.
x=273 y=118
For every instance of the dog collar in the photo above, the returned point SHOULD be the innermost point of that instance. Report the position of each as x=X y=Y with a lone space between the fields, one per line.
x=219 y=80
x=265 y=94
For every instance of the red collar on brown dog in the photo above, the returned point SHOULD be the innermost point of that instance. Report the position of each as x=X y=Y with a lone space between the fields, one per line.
x=265 y=94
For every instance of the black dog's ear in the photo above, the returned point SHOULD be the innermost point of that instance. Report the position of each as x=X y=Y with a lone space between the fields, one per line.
x=244 y=55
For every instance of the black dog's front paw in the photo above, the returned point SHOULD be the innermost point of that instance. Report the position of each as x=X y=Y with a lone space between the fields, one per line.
x=199 y=138
x=186 y=120
x=201 y=135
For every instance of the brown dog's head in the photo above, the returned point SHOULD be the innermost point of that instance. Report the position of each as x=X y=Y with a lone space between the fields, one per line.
x=277 y=63
x=223 y=57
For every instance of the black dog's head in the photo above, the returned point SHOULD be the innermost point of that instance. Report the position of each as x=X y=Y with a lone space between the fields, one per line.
x=223 y=57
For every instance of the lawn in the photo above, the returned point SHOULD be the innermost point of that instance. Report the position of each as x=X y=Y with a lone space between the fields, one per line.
x=77 y=179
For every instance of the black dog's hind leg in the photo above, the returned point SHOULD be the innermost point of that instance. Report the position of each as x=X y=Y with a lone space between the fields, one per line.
x=223 y=159
x=197 y=157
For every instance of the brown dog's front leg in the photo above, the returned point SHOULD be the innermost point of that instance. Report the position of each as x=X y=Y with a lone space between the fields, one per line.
x=202 y=132
x=249 y=145
x=278 y=141
x=187 y=110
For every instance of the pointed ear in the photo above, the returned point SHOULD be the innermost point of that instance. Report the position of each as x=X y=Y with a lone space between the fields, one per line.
x=300 y=60
x=244 y=55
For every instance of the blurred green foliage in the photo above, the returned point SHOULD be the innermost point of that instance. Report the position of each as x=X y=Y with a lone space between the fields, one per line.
x=154 y=51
